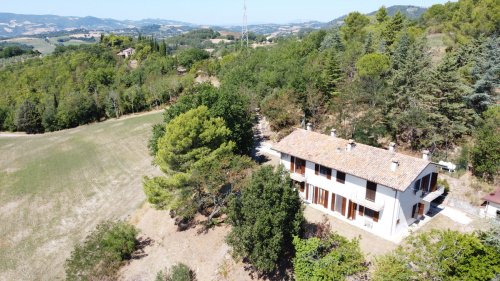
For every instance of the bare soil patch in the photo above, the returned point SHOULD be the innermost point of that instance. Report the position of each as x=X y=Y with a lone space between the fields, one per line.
x=205 y=253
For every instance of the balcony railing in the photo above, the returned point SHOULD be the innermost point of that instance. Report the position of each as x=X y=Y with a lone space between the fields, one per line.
x=431 y=196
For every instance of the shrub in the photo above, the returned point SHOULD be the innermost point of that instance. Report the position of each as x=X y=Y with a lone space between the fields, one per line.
x=103 y=252
x=178 y=272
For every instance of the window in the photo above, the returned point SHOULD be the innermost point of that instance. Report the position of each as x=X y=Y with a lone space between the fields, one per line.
x=298 y=165
x=323 y=198
x=414 y=211
x=372 y=214
x=371 y=191
x=302 y=186
x=340 y=177
x=323 y=171
x=416 y=187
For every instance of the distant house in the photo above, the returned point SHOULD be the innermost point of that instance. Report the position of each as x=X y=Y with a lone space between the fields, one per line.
x=379 y=190
x=126 y=53
x=492 y=209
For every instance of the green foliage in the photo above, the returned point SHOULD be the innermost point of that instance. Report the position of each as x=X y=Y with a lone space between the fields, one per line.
x=178 y=272
x=355 y=22
x=485 y=156
x=223 y=103
x=381 y=15
x=373 y=65
x=28 y=118
x=190 y=137
x=202 y=170
x=265 y=218
x=393 y=27
x=440 y=255
x=189 y=56
x=102 y=253
x=332 y=257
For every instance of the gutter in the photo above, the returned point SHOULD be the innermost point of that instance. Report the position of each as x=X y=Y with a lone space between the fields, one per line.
x=393 y=211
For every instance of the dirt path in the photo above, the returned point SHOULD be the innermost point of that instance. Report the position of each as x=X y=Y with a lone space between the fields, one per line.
x=206 y=254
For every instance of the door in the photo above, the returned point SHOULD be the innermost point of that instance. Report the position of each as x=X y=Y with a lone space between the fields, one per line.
x=421 y=209
x=351 y=214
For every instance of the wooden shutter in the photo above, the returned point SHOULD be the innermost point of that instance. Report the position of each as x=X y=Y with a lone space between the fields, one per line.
x=292 y=164
x=329 y=173
x=316 y=169
x=361 y=210
x=425 y=182
x=434 y=182
x=375 y=216
x=413 y=211
x=325 y=199
x=371 y=191
x=333 y=202
x=307 y=191
x=316 y=194
x=344 y=201
x=421 y=209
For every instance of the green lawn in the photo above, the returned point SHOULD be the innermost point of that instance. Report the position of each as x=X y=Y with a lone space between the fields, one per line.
x=56 y=187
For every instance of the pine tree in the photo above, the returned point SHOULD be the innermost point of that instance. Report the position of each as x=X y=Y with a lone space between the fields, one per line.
x=381 y=15
x=407 y=108
x=486 y=74
x=391 y=31
x=452 y=119
x=332 y=74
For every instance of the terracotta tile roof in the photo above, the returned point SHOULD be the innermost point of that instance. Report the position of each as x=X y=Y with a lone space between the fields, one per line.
x=493 y=197
x=364 y=161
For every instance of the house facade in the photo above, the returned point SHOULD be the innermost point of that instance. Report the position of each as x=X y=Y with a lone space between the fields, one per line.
x=378 y=190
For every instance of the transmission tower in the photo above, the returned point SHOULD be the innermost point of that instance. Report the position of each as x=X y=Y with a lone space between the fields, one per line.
x=244 y=28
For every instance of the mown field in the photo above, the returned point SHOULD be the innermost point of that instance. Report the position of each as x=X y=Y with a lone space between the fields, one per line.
x=55 y=188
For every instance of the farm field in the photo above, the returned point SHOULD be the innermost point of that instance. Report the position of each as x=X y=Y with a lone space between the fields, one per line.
x=54 y=189
x=39 y=44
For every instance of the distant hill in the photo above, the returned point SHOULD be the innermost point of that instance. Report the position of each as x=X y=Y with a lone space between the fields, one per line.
x=411 y=12
x=15 y=25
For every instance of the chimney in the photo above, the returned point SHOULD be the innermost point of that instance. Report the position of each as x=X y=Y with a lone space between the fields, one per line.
x=333 y=133
x=394 y=164
x=392 y=147
x=425 y=155
x=309 y=127
x=350 y=145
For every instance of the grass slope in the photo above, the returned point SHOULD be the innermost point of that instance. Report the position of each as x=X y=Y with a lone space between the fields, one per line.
x=55 y=188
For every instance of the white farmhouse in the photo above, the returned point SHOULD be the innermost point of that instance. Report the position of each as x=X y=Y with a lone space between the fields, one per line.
x=492 y=209
x=378 y=190
x=126 y=53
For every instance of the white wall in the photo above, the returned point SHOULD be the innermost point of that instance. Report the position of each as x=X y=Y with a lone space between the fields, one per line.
x=397 y=204
x=491 y=209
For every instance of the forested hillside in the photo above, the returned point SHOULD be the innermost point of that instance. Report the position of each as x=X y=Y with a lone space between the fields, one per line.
x=424 y=83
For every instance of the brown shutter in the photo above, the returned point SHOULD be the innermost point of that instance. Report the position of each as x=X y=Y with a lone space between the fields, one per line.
x=361 y=210
x=316 y=169
x=325 y=200
x=371 y=191
x=421 y=209
x=307 y=191
x=329 y=173
x=333 y=202
x=344 y=201
x=316 y=190
x=413 y=211
x=292 y=164
x=425 y=182
x=434 y=182
x=375 y=216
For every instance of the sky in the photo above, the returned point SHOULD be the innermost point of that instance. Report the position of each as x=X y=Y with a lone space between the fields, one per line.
x=205 y=11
